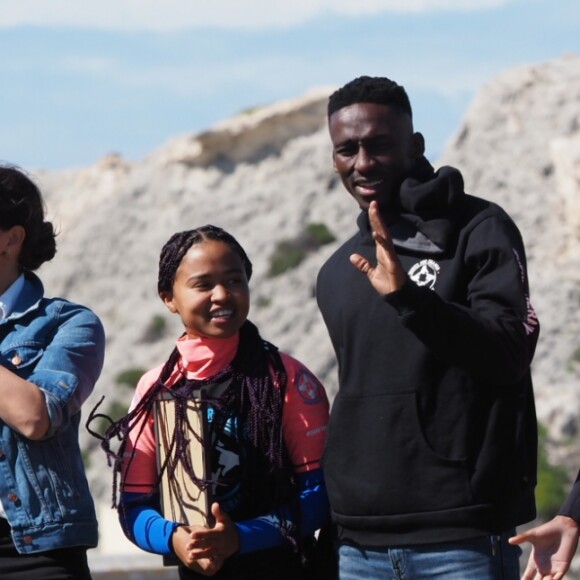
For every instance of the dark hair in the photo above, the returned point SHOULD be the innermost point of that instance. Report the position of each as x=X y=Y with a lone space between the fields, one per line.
x=21 y=204
x=365 y=89
x=178 y=244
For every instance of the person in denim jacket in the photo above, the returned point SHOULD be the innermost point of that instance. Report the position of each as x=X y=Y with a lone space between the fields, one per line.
x=51 y=355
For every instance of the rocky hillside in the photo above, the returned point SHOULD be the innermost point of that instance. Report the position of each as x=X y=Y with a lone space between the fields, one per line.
x=266 y=176
x=519 y=145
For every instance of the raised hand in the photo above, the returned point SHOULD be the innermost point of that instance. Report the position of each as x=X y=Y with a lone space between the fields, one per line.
x=388 y=275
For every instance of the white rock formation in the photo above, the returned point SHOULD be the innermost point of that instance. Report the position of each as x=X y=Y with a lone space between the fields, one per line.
x=267 y=174
x=518 y=146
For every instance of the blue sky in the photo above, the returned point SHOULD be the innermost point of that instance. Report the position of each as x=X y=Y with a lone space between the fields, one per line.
x=83 y=79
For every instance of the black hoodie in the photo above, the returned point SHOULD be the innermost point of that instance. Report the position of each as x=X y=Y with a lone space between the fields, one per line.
x=432 y=435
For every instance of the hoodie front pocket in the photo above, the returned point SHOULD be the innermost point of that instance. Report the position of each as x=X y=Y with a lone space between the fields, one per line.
x=377 y=461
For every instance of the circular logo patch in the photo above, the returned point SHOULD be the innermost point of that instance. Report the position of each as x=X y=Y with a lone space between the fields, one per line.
x=308 y=387
x=425 y=273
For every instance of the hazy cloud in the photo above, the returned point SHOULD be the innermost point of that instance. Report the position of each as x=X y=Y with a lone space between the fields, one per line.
x=182 y=14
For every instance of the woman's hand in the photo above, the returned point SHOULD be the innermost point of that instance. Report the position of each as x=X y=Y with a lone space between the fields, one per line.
x=220 y=541
x=183 y=548
x=205 y=549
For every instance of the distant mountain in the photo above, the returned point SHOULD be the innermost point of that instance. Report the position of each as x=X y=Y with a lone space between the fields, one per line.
x=266 y=176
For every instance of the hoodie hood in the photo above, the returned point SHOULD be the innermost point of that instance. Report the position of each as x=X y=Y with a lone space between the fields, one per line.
x=429 y=201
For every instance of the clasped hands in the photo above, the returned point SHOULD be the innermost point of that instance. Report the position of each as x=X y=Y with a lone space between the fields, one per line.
x=206 y=549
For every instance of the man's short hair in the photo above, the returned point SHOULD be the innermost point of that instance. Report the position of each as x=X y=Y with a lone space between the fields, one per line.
x=365 y=89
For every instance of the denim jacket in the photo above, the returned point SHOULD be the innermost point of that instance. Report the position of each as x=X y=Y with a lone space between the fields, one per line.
x=59 y=346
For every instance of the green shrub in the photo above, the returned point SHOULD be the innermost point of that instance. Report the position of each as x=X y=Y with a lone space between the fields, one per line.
x=287 y=255
x=117 y=409
x=129 y=377
x=290 y=253
x=86 y=456
x=262 y=301
x=250 y=110
x=320 y=234
x=114 y=411
x=156 y=329
x=553 y=481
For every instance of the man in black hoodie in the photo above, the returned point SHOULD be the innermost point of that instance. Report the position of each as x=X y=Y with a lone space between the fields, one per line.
x=431 y=451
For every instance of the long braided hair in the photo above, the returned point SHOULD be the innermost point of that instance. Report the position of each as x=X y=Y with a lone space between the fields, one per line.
x=255 y=396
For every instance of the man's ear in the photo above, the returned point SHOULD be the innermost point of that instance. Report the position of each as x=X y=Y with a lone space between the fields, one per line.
x=418 y=145
x=167 y=298
x=334 y=163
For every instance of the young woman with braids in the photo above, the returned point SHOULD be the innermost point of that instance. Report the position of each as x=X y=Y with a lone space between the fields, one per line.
x=267 y=427
x=51 y=354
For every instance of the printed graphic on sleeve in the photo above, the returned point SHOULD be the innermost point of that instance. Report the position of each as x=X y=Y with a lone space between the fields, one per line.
x=531 y=321
x=309 y=388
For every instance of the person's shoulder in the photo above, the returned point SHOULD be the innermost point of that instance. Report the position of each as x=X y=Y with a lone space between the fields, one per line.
x=290 y=363
x=67 y=305
x=477 y=209
x=346 y=244
x=147 y=380
x=297 y=371
x=344 y=249
x=63 y=308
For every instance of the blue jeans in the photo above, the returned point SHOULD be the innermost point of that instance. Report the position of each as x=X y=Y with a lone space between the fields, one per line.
x=485 y=558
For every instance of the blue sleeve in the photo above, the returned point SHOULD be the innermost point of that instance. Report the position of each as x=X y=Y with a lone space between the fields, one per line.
x=143 y=524
x=265 y=532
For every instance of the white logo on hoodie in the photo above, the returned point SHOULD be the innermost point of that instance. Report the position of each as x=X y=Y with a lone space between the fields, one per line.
x=424 y=273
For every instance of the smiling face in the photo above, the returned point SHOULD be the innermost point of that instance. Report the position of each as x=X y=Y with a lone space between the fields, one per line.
x=210 y=291
x=374 y=149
